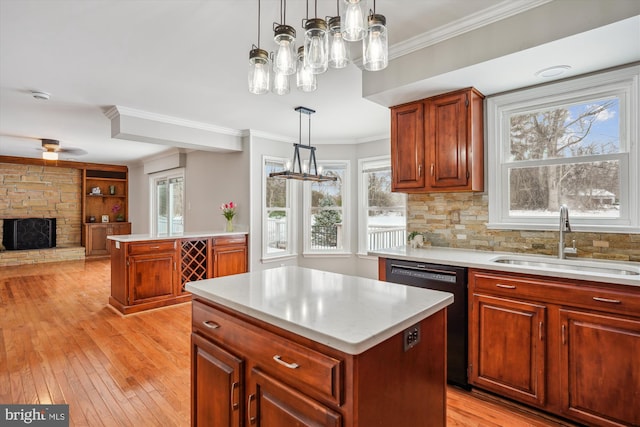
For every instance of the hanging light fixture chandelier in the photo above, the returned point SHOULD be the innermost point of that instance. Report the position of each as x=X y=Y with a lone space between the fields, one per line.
x=325 y=45
x=300 y=169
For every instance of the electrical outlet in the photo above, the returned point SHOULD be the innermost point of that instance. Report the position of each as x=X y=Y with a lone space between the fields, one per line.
x=411 y=337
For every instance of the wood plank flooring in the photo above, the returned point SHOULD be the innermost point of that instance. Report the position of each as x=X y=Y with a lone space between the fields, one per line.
x=61 y=343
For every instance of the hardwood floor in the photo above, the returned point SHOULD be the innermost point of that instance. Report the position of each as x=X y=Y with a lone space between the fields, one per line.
x=61 y=343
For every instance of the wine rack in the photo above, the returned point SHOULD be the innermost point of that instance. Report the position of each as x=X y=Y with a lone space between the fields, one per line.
x=193 y=260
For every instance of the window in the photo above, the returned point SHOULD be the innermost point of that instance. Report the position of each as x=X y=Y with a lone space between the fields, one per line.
x=573 y=143
x=167 y=213
x=277 y=217
x=325 y=221
x=383 y=222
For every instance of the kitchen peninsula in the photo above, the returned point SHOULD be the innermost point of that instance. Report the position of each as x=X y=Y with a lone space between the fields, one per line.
x=150 y=271
x=295 y=346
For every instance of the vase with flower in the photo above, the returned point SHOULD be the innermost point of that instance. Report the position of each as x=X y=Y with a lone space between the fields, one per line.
x=228 y=211
x=116 y=210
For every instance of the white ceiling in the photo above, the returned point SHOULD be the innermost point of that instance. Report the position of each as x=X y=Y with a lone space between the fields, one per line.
x=187 y=59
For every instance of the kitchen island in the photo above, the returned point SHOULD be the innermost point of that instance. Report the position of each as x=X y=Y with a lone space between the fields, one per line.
x=150 y=271
x=295 y=346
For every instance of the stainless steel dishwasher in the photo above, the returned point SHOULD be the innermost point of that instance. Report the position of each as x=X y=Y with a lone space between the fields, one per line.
x=441 y=278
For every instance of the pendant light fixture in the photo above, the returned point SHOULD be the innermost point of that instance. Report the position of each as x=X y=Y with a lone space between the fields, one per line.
x=353 y=19
x=338 y=49
x=258 y=78
x=316 y=42
x=284 y=60
x=375 y=51
x=300 y=169
x=305 y=80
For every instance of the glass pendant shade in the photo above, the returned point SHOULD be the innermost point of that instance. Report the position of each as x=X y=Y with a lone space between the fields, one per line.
x=353 y=14
x=284 y=60
x=316 y=45
x=305 y=79
x=338 y=49
x=258 y=71
x=280 y=83
x=375 y=52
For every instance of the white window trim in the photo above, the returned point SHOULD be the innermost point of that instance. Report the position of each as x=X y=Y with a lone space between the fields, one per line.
x=624 y=82
x=346 y=217
x=167 y=174
x=291 y=252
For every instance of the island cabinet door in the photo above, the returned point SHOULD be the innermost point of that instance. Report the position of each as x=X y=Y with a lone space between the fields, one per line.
x=600 y=368
x=216 y=385
x=507 y=349
x=151 y=277
x=271 y=403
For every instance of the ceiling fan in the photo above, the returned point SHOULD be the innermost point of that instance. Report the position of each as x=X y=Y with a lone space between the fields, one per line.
x=51 y=148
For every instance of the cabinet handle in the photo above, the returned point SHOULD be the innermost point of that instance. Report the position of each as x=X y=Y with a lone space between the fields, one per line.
x=612 y=301
x=540 y=331
x=234 y=403
x=500 y=285
x=432 y=166
x=252 y=420
x=210 y=324
x=154 y=247
x=420 y=169
x=278 y=359
x=564 y=338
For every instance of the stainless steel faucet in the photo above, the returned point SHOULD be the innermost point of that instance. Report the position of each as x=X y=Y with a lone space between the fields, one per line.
x=564 y=227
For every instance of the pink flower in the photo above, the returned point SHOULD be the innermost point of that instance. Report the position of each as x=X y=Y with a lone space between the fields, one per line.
x=228 y=210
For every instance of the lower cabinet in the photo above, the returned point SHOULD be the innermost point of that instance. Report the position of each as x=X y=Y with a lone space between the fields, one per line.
x=509 y=351
x=568 y=347
x=247 y=373
x=600 y=360
x=95 y=237
x=152 y=273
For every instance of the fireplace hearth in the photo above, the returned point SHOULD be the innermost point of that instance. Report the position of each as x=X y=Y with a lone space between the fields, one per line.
x=29 y=233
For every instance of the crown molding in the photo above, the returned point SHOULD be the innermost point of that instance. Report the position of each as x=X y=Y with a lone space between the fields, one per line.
x=118 y=110
x=472 y=22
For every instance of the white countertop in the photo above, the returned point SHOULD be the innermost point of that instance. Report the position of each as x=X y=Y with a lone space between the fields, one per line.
x=348 y=313
x=484 y=260
x=188 y=235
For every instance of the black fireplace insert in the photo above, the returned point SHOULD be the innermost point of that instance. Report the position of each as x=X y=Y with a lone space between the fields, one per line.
x=29 y=233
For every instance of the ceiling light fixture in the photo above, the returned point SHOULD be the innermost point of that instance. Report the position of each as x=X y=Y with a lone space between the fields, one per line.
x=555 y=71
x=306 y=170
x=51 y=147
x=324 y=46
x=258 y=66
x=43 y=96
x=50 y=155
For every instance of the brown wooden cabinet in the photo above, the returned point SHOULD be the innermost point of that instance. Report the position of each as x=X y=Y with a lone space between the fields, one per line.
x=96 y=243
x=152 y=273
x=437 y=143
x=266 y=376
x=229 y=255
x=508 y=352
x=568 y=347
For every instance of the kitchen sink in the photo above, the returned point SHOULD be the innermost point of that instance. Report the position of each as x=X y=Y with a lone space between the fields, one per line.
x=569 y=264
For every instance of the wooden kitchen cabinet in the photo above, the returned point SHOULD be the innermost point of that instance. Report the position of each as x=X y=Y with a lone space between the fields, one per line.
x=218 y=400
x=150 y=274
x=96 y=243
x=599 y=368
x=437 y=144
x=583 y=339
x=285 y=380
x=229 y=255
x=508 y=352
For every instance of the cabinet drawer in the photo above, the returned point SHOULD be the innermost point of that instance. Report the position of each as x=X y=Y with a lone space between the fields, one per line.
x=310 y=371
x=608 y=298
x=239 y=239
x=151 y=247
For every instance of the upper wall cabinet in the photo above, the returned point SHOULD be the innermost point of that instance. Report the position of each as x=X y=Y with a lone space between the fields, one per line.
x=437 y=143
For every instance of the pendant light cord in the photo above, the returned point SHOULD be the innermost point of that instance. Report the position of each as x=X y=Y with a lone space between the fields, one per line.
x=258 y=24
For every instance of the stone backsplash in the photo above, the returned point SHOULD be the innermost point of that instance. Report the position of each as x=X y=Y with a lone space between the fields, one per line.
x=29 y=191
x=458 y=220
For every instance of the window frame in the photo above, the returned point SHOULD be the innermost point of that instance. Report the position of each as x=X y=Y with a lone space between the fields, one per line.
x=153 y=213
x=291 y=224
x=345 y=250
x=622 y=83
x=363 y=200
